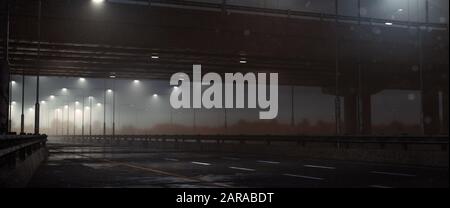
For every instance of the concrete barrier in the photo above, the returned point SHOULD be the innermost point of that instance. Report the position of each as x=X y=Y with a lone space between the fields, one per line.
x=20 y=156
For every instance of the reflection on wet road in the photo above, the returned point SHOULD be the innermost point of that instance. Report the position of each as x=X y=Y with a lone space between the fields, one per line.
x=89 y=164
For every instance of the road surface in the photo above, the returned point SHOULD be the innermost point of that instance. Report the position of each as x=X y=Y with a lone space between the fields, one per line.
x=94 y=164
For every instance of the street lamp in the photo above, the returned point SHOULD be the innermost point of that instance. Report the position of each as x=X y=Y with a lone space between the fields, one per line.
x=67 y=119
x=98 y=1
x=74 y=116
x=90 y=116
x=56 y=115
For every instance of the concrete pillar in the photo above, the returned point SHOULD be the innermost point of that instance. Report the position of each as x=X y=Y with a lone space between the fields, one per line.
x=444 y=125
x=4 y=71
x=366 y=114
x=430 y=109
x=351 y=113
x=4 y=97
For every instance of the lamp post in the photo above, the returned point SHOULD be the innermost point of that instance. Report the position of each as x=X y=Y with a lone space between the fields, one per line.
x=104 y=107
x=22 y=116
x=90 y=116
x=67 y=119
x=10 y=104
x=114 y=108
x=74 y=117
x=82 y=118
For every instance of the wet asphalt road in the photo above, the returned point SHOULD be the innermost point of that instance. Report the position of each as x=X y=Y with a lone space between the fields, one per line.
x=88 y=164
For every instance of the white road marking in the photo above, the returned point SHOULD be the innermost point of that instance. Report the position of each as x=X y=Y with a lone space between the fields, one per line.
x=171 y=159
x=200 y=163
x=393 y=174
x=318 y=166
x=267 y=161
x=302 y=176
x=245 y=169
x=230 y=158
x=379 y=186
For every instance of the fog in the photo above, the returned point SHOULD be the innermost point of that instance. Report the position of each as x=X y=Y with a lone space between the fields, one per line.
x=142 y=107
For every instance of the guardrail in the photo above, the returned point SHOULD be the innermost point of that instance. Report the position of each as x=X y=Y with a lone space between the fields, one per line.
x=336 y=141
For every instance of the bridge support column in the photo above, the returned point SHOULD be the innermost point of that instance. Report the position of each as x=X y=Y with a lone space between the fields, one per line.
x=430 y=109
x=4 y=72
x=366 y=114
x=4 y=97
x=351 y=113
x=353 y=125
x=444 y=129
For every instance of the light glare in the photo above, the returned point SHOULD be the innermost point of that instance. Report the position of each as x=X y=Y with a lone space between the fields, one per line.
x=98 y=1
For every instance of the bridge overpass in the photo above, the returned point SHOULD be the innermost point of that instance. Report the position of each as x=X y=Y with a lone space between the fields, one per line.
x=351 y=57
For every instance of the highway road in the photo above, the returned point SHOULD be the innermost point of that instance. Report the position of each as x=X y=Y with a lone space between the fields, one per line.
x=94 y=164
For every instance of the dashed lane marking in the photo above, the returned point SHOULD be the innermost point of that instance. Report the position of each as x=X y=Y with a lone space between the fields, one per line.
x=302 y=176
x=321 y=167
x=244 y=169
x=393 y=174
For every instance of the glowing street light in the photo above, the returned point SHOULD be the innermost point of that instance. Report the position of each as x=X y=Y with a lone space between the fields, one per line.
x=52 y=97
x=155 y=57
x=388 y=23
x=136 y=81
x=98 y=1
x=64 y=89
x=82 y=79
x=43 y=102
x=155 y=95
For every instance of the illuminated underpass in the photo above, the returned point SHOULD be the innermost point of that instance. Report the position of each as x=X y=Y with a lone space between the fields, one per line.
x=362 y=94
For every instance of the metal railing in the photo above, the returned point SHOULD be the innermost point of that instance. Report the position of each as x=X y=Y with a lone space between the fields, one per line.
x=337 y=141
